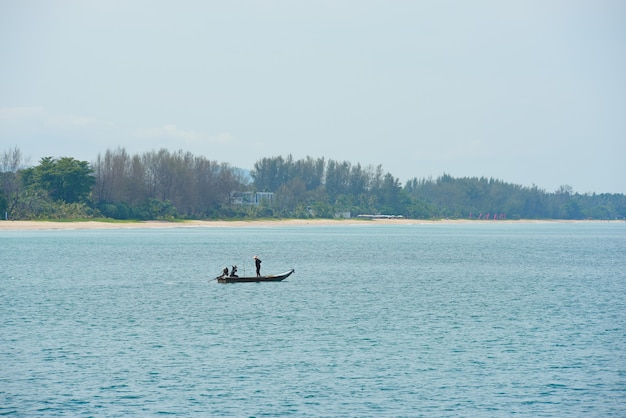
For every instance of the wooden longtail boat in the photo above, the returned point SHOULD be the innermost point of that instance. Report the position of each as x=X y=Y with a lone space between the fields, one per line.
x=272 y=278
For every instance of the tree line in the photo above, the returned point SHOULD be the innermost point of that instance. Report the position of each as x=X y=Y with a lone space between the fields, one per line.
x=161 y=184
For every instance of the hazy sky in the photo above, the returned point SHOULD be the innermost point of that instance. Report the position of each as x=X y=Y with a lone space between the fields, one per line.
x=528 y=92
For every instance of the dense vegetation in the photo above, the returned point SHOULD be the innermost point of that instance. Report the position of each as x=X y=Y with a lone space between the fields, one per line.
x=179 y=185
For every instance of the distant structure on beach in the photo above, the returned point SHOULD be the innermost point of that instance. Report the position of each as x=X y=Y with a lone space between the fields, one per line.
x=251 y=198
x=380 y=216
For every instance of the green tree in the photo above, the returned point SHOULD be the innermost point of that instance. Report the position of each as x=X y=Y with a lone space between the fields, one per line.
x=271 y=173
x=3 y=204
x=11 y=162
x=67 y=180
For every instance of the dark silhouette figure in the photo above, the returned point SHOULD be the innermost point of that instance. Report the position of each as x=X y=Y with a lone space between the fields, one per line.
x=257 y=262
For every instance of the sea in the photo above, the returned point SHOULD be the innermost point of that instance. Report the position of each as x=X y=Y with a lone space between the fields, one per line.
x=419 y=319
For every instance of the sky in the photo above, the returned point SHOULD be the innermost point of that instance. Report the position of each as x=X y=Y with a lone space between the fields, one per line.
x=528 y=92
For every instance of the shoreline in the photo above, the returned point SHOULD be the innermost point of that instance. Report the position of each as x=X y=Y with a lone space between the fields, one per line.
x=93 y=225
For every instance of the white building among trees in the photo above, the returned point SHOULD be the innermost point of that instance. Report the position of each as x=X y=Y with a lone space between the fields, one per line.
x=251 y=198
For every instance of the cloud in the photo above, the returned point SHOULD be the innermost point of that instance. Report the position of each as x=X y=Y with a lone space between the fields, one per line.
x=224 y=138
x=21 y=122
x=21 y=113
x=189 y=137
x=28 y=115
x=477 y=149
x=72 y=121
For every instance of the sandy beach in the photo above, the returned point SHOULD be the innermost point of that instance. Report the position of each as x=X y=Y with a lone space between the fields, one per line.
x=68 y=225
x=65 y=225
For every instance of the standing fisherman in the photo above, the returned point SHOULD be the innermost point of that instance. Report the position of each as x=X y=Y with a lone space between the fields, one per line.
x=257 y=262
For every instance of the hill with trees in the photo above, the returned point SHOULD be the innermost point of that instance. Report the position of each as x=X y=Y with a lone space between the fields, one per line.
x=179 y=185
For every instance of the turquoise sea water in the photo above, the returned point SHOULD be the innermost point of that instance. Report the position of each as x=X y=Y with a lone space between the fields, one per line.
x=379 y=320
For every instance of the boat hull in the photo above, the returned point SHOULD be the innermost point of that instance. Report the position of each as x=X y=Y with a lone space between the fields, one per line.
x=272 y=278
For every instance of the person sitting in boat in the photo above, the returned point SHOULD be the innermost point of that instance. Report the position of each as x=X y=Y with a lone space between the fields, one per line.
x=225 y=272
x=233 y=272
